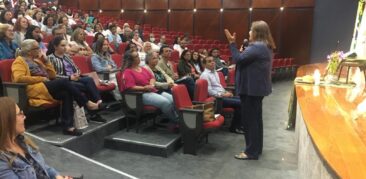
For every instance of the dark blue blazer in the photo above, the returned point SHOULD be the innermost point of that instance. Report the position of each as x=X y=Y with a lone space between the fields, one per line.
x=253 y=69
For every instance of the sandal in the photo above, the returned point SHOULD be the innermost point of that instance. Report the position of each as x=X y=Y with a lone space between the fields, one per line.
x=73 y=132
x=243 y=156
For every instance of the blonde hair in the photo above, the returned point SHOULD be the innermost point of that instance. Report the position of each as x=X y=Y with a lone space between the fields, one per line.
x=3 y=29
x=75 y=35
x=261 y=32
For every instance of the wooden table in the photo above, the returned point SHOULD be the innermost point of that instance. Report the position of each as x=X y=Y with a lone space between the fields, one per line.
x=331 y=132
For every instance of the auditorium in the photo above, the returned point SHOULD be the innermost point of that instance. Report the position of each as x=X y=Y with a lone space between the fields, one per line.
x=183 y=89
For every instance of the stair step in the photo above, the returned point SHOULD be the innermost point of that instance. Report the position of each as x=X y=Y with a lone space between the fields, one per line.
x=151 y=141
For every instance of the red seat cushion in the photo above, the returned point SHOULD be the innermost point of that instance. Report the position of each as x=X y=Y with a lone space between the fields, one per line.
x=228 y=110
x=50 y=105
x=109 y=87
x=150 y=108
x=214 y=124
x=209 y=99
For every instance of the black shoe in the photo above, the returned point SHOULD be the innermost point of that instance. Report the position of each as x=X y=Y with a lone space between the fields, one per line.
x=74 y=132
x=237 y=131
x=97 y=118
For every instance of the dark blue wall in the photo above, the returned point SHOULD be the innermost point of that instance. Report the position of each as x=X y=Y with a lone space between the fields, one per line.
x=334 y=21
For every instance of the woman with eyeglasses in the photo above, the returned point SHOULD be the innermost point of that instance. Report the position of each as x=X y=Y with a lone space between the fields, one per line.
x=33 y=68
x=19 y=156
x=137 y=78
x=7 y=46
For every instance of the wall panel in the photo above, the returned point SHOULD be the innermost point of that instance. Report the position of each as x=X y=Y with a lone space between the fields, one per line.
x=132 y=4
x=69 y=3
x=88 y=4
x=235 y=4
x=137 y=16
x=157 y=19
x=236 y=21
x=156 y=4
x=115 y=14
x=181 y=21
x=272 y=17
x=110 y=5
x=181 y=4
x=208 y=4
x=266 y=3
x=207 y=24
x=299 y=3
x=296 y=34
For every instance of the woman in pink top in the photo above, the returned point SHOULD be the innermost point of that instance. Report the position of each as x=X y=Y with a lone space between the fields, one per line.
x=137 y=78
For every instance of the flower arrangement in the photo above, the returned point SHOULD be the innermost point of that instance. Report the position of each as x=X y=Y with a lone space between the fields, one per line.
x=334 y=59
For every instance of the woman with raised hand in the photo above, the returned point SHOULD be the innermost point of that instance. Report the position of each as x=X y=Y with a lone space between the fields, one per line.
x=253 y=83
x=17 y=150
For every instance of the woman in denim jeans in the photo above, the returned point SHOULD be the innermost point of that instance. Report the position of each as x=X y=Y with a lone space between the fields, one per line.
x=19 y=157
x=137 y=78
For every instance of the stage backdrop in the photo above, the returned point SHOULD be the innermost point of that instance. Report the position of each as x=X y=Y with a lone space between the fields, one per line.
x=291 y=27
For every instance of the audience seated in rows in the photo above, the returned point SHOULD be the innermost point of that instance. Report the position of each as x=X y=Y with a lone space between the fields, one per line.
x=78 y=44
x=48 y=24
x=167 y=66
x=33 y=67
x=163 y=82
x=102 y=62
x=215 y=53
x=197 y=62
x=215 y=89
x=185 y=66
x=65 y=68
x=137 y=78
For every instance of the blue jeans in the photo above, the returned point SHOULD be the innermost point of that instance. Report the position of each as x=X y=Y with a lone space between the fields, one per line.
x=234 y=102
x=163 y=101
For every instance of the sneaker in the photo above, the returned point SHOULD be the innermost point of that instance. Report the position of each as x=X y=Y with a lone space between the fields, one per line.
x=97 y=118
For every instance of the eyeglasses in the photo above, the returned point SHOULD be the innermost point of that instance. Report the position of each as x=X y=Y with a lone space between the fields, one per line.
x=21 y=113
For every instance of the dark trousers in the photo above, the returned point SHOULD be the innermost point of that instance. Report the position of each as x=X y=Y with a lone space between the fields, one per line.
x=189 y=83
x=87 y=86
x=253 y=124
x=225 y=71
x=63 y=90
x=235 y=103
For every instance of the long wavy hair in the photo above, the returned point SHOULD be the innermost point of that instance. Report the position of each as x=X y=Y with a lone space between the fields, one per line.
x=260 y=32
x=8 y=124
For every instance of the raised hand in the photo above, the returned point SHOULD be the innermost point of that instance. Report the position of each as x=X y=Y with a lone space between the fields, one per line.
x=230 y=38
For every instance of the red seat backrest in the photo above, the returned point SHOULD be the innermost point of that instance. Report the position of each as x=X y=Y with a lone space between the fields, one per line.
x=84 y=63
x=222 y=79
x=175 y=56
x=181 y=97
x=117 y=58
x=5 y=69
x=122 y=47
x=89 y=40
x=201 y=90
